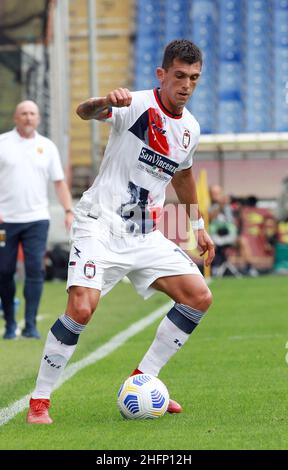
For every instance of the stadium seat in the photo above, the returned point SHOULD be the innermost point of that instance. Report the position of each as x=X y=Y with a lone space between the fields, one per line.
x=236 y=39
x=176 y=14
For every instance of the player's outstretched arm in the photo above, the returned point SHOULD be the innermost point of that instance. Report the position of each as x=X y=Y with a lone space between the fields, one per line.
x=99 y=108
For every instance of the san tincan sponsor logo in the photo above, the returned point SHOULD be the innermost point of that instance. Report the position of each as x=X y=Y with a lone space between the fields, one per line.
x=89 y=269
x=157 y=162
x=186 y=139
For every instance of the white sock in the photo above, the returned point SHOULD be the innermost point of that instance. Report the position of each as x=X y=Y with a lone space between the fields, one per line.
x=169 y=339
x=55 y=357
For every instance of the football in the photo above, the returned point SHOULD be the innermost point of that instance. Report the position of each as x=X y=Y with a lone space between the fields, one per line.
x=143 y=396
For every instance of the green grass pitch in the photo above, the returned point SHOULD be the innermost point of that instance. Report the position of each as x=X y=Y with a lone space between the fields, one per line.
x=231 y=376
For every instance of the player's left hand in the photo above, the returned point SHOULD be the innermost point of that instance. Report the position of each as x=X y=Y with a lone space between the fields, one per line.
x=206 y=245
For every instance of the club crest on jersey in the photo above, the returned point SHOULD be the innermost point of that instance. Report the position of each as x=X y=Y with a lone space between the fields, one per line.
x=186 y=139
x=89 y=269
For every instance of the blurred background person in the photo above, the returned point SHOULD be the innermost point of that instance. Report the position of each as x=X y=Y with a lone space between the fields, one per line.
x=256 y=226
x=220 y=209
x=243 y=237
x=281 y=239
x=222 y=229
x=27 y=162
x=282 y=203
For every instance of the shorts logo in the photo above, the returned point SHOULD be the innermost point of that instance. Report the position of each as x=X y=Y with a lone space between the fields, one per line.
x=77 y=252
x=89 y=269
x=186 y=139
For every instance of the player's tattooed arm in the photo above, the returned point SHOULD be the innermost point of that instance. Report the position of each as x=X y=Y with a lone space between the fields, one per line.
x=99 y=108
x=93 y=108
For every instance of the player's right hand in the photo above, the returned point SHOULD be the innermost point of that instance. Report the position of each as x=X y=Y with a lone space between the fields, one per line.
x=119 y=98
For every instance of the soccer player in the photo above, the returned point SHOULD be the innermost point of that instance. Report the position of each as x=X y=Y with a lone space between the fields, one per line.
x=28 y=161
x=152 y=141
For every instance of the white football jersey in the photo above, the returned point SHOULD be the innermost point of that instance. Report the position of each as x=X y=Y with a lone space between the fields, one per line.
x=26 y=166
x=146 y=146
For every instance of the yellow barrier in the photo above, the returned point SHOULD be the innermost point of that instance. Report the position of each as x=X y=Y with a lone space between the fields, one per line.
x=204 y=203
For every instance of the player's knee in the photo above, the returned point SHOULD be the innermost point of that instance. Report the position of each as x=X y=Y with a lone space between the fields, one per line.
x=80 y=309
x=201 y=301
x=81 y=313
x=207 y=300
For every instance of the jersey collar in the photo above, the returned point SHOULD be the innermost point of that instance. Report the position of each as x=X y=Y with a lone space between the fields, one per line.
x=163 y=108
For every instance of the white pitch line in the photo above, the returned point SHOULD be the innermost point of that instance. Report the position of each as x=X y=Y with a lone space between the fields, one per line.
x=254 y=336
x=240 y=338
x=8 y=413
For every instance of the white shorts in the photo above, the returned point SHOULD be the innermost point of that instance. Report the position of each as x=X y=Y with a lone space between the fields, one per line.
x=99 y=260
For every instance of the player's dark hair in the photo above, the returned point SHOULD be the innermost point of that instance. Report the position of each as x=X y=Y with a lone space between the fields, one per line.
x=181 y=49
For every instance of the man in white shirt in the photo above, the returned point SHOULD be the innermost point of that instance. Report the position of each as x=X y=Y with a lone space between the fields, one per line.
x=152 y=142
x=27 y=162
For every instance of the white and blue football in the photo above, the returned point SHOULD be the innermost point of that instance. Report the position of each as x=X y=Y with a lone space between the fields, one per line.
x=143 y=396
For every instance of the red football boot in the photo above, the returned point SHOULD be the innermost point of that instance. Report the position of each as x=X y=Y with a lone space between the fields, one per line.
x=136 y=372
x=38 y=411
x=173 y=406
